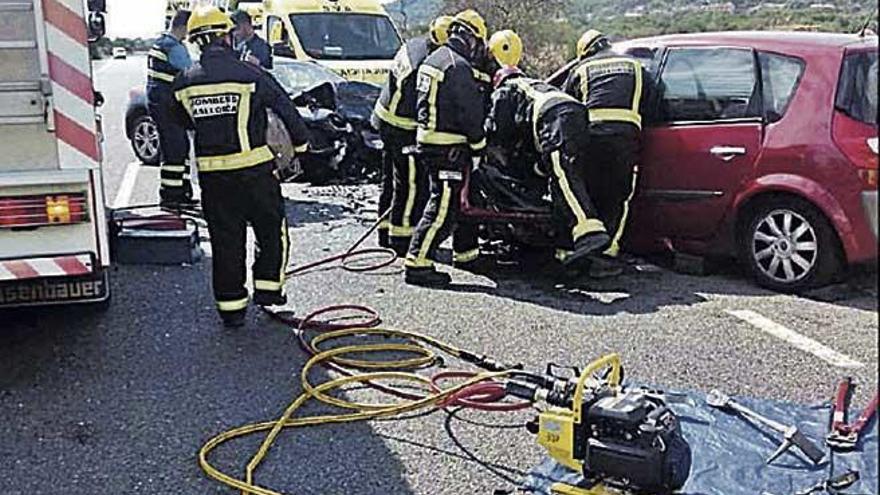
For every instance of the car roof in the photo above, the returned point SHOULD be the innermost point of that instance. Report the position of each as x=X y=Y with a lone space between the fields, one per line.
x=787 y=41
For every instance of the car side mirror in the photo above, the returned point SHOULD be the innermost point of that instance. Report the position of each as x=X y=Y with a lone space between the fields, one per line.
x=97 y=26
x=99 y=99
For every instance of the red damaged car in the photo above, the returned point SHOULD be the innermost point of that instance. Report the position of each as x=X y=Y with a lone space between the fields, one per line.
x=764 y=145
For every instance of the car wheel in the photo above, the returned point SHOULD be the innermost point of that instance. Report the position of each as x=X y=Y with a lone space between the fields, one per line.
x=789 y=246
x=145 y=140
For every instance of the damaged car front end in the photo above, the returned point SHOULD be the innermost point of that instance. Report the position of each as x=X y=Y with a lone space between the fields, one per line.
x=343 y=146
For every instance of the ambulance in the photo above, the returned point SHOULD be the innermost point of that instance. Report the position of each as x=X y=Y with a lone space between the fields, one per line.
x=354 y=38
x=255 y=9
x=54 y=245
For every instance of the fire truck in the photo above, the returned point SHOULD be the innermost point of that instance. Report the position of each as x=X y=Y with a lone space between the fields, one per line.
x=54 y=246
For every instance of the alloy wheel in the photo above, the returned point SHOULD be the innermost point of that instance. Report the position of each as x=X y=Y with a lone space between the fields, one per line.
x=146 y=139
x=785 y=246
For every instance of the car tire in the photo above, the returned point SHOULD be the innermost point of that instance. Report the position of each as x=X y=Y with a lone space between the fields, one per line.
x=145 y=140
x=789 y=246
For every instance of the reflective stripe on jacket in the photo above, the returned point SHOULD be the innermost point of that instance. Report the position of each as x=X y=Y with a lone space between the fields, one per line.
x=396 y=105
x=518 y=108
x=226 y=101
x=611 y=86
x=161 y=66
x=450 y=108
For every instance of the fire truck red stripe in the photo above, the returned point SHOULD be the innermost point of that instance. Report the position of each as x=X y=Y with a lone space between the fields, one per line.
x=72 y=79
x=69 y=22
x=21 y=269
x=72 y=266
x=76 y=136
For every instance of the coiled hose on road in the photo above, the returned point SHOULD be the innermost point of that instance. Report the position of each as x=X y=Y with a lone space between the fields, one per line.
x=365 y=365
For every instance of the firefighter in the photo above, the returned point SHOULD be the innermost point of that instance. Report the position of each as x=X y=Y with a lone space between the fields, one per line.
x=166 y=59
x=556 y=126
x=451 y=139
x=615 y=89
x=405 y=186
x=226 y=100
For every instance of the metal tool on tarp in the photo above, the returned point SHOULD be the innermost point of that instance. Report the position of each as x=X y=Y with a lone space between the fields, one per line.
x=831 y=486
x=845 y=436
x=792 y=436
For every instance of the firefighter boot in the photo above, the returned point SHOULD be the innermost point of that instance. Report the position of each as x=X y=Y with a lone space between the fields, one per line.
x=269 y=299
x=427 y=277
x=602 y=266
x=384 y=239
x=234 y=319
x=481 y=265
x=400 y=245
x=586 y=245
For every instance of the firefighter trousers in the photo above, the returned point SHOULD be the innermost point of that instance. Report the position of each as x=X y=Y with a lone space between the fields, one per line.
x=386 y=188
x=440 y=218
x=411 y=192
x=174 y=147
x=562 y=136
x=612 y=174
x=233 y=200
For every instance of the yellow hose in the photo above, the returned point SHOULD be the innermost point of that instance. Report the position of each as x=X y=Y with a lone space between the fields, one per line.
x=397 y=370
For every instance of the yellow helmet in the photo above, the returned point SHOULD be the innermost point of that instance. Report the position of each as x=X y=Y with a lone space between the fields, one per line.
x=507 y=47
x=472 y=20
x=589 y=40
x=440 y=29
x=208 y=22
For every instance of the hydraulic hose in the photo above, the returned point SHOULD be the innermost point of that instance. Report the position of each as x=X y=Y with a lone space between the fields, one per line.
x=366 y=365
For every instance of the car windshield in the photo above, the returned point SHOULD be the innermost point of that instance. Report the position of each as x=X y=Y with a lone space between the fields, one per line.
x=857 y=89
x=347 y=36
x=296 y=77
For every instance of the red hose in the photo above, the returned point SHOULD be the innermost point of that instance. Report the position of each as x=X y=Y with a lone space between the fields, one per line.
x=484 y=396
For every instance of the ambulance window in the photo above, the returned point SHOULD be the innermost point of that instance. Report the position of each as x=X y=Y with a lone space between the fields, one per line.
x=346 y=36
x=279 y=38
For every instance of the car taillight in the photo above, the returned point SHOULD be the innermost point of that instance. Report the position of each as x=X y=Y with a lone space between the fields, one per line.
x=868 y=177
x=36 y=211
x=858 y=142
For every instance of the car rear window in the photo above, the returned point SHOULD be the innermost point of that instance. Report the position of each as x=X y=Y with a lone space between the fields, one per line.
x=780 y=77
x=857 y=88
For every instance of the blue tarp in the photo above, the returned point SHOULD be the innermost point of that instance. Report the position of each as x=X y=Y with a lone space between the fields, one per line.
x=729 y=452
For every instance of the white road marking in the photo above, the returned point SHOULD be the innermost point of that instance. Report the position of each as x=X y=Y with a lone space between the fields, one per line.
x=123 y=195
x=797 y=340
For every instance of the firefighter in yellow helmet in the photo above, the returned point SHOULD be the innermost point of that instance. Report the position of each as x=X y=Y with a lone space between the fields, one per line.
x=450 y=139
x=507 y=48
x=532 y=119
x=226 y=101
x=615 y=88
x=405 y=187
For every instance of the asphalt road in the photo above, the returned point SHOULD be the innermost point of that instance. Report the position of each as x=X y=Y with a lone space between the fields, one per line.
x=120 y=401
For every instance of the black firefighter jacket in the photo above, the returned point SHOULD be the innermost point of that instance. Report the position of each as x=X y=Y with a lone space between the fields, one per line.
x=225 y=101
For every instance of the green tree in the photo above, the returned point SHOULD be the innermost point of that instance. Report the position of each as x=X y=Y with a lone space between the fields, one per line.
x=547 y=35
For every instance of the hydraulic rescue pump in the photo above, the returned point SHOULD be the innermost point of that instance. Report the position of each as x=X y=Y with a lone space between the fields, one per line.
x=622 y=438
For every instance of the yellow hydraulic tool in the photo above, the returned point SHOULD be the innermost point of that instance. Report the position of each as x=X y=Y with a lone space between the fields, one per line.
x=558 y=426
x=617 y=438
x=563 y=489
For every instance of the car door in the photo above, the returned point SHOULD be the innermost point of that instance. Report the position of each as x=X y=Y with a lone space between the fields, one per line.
x=705 y=140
